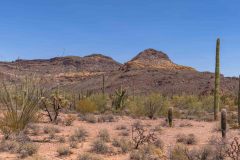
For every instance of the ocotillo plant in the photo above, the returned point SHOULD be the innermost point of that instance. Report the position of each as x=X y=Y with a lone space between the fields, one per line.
x=217 y=81
x=239 y=102
x=170 y=116
x=224 y=122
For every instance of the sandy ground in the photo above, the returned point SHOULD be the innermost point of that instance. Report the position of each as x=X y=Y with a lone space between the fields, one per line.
x=202 y=130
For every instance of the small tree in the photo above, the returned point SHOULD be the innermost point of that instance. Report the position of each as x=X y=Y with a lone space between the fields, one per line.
x=53 y=104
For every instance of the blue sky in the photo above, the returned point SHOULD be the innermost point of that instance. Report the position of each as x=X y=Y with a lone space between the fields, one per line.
x=185 y=29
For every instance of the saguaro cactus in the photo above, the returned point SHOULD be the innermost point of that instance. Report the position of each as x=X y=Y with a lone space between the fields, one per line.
x=239 y=102
x=170 y=116
x=224 y=122
x=217 y=81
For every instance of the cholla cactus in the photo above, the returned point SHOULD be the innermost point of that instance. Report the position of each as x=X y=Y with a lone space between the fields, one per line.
x=53 y=104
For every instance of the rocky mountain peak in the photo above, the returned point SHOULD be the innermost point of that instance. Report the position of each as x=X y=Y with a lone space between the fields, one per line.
x=153 y=59
x=151 y=54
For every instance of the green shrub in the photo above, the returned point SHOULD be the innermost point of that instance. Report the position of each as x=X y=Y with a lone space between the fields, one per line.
x=155 y=104
x=101 y=102
x=86 y=106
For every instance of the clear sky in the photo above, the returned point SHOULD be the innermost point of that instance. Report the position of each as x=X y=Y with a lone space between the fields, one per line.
x=185 y=29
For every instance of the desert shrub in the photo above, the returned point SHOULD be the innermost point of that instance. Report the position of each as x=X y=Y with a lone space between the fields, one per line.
x=73 y=144
x=107 y=118
x=123 y=144
x=179 y=153
x=99 y=146
x=9 y=146
x=53 y=103
x=155 y=104
x=121 y=127
x=124 y=133
x=69 y=120
x=136 y=106
x=21 y=105
x=63 y=151
x=50 y=129
x=86 y=105
x=104 y=135
x=27 y=149
x=187 y=139
x=147 y=152
x=88 y=156
x=101 y=102
x=80 y=135
x=159 y=144
x=61 y=139
x=90 y=118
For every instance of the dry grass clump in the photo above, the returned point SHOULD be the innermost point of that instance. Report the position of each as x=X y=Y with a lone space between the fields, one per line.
x=124 y=133
x=73 y=144
x=187 y=139
x=63 y=151
x=121 y=127
x=107 y=118
x=61 y=139
x=27 y=149
x=79 y=135
x=69 y=120
x=147 y=152
x=104 y=135
x=24 y=149
x=88 y=156
x=50 y=130
x=90 y=118
x=122 y=144
x=100 y=147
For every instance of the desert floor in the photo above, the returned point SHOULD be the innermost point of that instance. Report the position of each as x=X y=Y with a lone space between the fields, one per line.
x=48 y=150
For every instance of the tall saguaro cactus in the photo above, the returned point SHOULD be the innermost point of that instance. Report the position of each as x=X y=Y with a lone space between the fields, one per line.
x=217 y=81
x=239 y=102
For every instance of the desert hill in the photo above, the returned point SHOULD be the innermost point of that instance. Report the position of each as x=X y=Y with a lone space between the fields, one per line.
x=150 y=70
